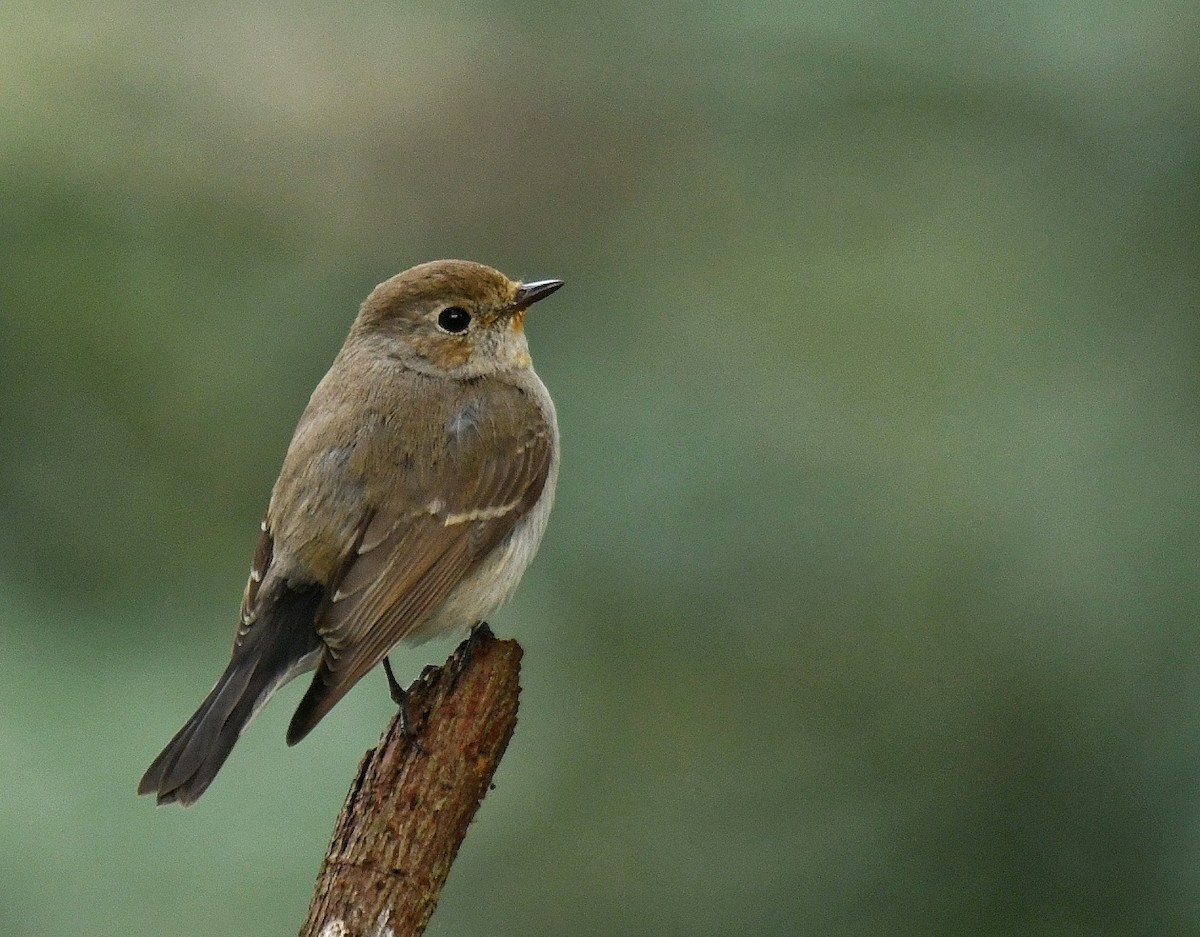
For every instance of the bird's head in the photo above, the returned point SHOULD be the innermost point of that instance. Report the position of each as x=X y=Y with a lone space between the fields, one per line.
x=452 y=318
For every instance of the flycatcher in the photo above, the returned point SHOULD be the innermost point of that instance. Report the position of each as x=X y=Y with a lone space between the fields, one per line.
x=414 y=494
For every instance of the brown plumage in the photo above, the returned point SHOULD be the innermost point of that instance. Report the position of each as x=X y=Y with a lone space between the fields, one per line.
x=413 y=495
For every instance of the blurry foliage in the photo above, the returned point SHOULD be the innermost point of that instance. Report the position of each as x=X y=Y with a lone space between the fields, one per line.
x=869 y=603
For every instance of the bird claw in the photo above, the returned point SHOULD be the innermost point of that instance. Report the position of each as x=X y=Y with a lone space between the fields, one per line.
x=399 y=696
x=474 y=639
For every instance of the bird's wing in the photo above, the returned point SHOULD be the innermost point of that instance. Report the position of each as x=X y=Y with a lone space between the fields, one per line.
x=263 y=554
x=425 y=536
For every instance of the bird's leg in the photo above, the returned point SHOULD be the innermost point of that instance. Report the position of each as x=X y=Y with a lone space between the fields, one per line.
x=478 y=633
x=462 y=657
x=400 y=698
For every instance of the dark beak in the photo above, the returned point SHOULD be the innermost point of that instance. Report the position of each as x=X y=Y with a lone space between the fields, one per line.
x=530 y=293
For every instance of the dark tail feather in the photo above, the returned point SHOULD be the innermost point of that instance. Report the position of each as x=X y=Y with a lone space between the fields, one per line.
x=274 y=652
x=192 y=759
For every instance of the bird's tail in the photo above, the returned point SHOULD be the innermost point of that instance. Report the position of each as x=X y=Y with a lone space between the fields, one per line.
x=261 y=665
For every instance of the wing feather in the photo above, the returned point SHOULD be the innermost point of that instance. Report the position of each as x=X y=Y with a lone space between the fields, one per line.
x=426 y=537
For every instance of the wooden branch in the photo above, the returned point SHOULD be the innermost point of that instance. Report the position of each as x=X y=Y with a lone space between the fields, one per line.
x=409 y=807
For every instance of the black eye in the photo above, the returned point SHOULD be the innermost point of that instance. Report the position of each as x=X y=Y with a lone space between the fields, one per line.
x=454 y=319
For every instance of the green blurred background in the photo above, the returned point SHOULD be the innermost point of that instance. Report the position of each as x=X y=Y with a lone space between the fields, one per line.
x=869 y=604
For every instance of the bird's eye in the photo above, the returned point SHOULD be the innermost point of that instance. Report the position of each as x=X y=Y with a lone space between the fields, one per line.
x=454 y=319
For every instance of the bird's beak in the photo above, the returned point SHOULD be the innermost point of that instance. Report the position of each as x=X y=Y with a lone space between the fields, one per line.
x=530 y=293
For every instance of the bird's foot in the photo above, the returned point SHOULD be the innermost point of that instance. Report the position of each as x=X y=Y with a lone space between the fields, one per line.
x=399 y=696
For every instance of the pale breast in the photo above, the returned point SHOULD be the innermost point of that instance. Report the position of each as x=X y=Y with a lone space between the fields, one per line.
x=497 y=575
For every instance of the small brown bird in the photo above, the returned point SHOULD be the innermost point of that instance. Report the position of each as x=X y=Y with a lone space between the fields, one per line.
x=414 y=494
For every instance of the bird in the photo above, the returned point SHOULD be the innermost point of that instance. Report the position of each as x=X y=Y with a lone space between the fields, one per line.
x=413 y=495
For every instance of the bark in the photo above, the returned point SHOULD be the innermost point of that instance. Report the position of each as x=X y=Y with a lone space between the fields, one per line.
x=413 y=799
